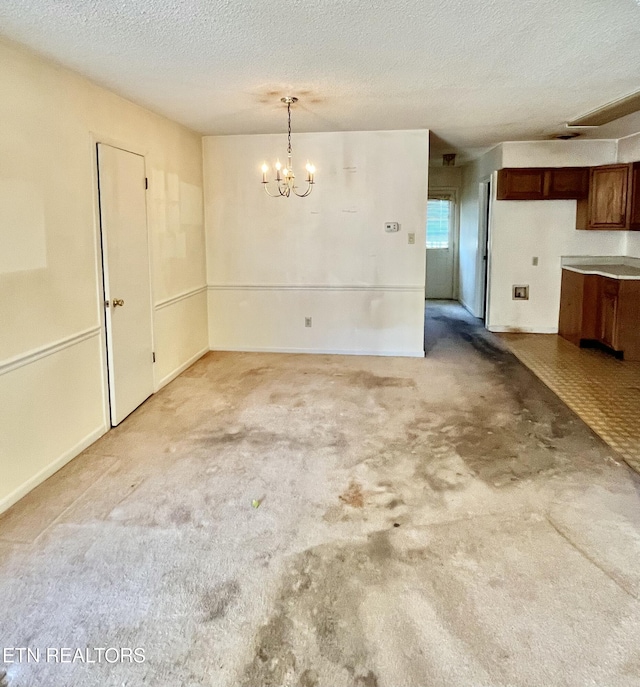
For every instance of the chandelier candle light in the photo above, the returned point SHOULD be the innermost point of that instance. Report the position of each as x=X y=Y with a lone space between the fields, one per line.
x=285 y=178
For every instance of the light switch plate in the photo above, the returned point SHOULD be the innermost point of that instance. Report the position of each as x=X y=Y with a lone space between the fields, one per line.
x=411 y=238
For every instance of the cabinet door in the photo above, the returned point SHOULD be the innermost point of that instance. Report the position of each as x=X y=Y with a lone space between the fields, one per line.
x=634 y=201
x=521 y=184
x=609 y=313
x=608 y=190
x=571 y=306
x=566 y=183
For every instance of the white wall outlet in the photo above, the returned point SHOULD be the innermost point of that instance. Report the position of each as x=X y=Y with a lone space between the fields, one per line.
x=521 y=293
x=411 y=238
x=307 y=321
x=391 y=227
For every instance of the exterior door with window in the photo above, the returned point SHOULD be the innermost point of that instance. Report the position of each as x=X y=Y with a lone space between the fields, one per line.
x=440 y=253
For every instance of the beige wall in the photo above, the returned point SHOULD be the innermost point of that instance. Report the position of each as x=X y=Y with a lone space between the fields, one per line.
x=52 y=400
x=629 y=151
x=274 y=261
x=471 y=271
x=572 y=153
x=629 y=148
x=445 y=177
x=522 y=230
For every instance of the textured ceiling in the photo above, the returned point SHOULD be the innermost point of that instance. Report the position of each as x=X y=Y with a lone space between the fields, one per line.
x=475 y=73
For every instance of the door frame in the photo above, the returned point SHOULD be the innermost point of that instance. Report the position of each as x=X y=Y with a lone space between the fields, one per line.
x=486 y=187
x=95 y=139
x=454 y=192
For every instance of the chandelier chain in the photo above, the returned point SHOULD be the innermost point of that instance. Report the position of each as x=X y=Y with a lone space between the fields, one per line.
x=285 y=181
x=289 y=137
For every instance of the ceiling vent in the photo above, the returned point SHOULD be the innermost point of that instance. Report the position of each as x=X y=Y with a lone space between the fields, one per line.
x=608 y=113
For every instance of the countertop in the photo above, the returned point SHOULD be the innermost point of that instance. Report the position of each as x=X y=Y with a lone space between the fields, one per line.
x=613 y=271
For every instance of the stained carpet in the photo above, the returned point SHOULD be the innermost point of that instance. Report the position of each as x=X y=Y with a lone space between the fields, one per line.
x=419 y=522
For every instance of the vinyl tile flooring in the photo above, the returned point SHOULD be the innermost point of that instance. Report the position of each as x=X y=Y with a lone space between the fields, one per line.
x=602 y=390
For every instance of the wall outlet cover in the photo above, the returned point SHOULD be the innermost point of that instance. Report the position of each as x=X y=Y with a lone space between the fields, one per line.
x=391 y=227
x=521 y=292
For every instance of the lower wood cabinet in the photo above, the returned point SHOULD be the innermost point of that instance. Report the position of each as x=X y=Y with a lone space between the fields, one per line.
x=607 y=313
x=596 y=309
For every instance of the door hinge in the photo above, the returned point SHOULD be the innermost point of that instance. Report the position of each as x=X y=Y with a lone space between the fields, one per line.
x=154 y=356
x=146 y=182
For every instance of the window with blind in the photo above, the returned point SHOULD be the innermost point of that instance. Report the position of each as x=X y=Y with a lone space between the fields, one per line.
x=438 y=222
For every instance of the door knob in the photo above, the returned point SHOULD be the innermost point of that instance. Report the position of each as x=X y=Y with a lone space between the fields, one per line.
x=117 y=301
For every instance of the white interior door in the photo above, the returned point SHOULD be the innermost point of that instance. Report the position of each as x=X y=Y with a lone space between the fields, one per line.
x=127 y=286
x=440 y=249
x=483 y=247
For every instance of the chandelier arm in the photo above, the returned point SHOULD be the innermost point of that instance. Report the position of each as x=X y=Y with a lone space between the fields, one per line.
x=283 y=189
x=307 y=192
x=272 y=195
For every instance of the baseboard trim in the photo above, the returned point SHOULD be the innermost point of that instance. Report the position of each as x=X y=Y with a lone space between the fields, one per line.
x=505 y=329
x=53 y=467
x=179 y=370
x=468 y=309
x=314 y=351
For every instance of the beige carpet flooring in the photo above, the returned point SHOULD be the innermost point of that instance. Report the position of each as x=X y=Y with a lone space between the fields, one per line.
x=431 y=522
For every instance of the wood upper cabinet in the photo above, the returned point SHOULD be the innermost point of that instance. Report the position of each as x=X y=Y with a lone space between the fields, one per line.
x=567 y=182
x=634 y=201
x=608 y=196
x=543 y=183
x=614 y=199
x=608 y=192
x=521 y=184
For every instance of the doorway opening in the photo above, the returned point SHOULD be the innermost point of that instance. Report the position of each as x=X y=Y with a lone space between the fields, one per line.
x=126 y=279
x=441 y=245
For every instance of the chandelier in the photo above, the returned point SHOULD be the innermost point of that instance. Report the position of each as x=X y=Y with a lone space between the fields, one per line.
x=285 y=182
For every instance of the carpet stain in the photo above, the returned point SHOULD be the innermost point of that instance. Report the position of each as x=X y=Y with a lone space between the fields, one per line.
x=274 y=660
x=372 y=381
x=217 y=601
x=309 y=678
x=377 y=557
x=353 y=495
x=320 y=595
